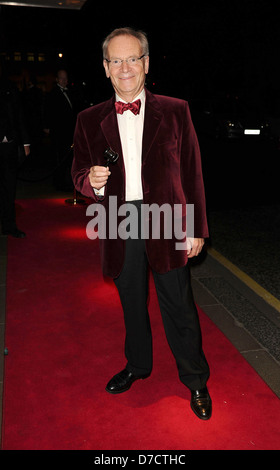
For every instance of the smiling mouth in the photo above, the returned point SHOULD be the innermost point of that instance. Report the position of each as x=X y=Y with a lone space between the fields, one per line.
x=126 y=78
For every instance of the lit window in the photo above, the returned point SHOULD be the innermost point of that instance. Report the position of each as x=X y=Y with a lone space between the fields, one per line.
x=17 y=56
x=30 y=57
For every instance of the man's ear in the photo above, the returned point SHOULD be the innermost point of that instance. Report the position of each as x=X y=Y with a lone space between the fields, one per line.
x=147 y=62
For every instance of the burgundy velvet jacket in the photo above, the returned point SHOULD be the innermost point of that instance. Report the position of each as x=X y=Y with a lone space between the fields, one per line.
x=171 y=172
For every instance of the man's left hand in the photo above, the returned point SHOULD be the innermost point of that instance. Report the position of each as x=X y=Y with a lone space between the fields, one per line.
x=197 y=245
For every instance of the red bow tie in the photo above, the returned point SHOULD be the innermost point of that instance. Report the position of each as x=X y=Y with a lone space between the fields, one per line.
x=133 y=107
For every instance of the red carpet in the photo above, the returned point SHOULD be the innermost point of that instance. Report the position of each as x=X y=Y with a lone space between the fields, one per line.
x=64 y=334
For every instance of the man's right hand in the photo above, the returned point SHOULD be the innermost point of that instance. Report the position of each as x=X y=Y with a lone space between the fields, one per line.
x=98 y=176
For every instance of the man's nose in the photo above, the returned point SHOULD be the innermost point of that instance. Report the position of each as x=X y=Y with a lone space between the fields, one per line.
x=124 y=66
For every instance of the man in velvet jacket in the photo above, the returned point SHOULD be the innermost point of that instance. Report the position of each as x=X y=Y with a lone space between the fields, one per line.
x=159 y=163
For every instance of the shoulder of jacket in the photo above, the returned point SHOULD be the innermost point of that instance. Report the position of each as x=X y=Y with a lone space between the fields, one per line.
x=169 y=100
x=95 y=111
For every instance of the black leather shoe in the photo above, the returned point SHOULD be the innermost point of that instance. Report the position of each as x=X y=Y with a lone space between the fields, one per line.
x=201 y=403
x=14 y=233
x=122 y=382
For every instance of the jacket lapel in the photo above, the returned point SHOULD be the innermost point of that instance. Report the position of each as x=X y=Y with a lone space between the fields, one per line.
x=153 y=118
x=110 y=129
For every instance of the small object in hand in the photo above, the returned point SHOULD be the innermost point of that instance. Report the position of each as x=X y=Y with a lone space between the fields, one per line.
x=110 y=156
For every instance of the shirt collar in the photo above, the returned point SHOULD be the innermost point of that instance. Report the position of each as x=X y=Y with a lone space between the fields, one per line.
x=141 y=96
x=61 y=87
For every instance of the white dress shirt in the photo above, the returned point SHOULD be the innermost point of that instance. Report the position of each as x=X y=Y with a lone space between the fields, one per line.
x=131 y=133
x=64 y=91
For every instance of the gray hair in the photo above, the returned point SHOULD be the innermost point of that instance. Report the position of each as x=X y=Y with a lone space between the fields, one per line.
x=140 y=35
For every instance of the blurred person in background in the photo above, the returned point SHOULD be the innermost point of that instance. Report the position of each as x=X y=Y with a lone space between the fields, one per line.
x=60 y=113
x=13 y=138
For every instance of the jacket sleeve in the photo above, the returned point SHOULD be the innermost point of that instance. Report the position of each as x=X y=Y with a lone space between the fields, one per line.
x=82 y=162
x=191 y=175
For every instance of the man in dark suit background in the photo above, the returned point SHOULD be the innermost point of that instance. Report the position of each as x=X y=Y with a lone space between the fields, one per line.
x=32 y=97
x=13 y=135
x=159 y=163
x=59 y=123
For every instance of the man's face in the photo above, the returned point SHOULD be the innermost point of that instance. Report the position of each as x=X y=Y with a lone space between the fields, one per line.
x=62 y=78
x=127 y=80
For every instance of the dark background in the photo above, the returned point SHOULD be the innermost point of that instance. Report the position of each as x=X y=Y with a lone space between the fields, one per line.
x=198 y=50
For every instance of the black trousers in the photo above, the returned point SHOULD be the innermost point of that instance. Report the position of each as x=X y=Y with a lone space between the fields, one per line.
x=8 y=182
x=179 y=315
